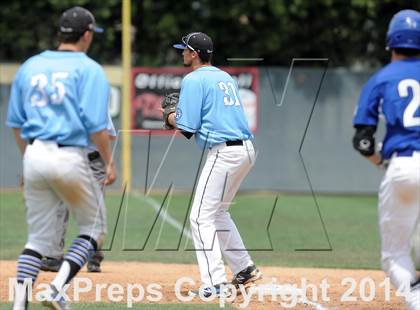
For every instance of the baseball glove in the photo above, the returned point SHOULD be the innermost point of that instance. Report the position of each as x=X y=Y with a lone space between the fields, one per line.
x=169 y=104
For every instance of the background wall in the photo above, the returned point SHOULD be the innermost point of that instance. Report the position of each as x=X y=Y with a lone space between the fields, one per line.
x=331 y=163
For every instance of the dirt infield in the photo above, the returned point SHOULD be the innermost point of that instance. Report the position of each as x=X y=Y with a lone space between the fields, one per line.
x=368 y=293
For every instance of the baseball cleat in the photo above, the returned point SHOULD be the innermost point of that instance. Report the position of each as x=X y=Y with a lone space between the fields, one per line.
x=94 y=263
x=54 y=300
x=413 y=297
x=217 y=290
x=51 y=264
x=93 y=267
x=247 y=276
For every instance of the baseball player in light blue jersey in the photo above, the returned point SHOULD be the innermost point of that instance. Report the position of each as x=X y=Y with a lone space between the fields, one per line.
x=394 y=91
x=58 y=103
x=209 y=108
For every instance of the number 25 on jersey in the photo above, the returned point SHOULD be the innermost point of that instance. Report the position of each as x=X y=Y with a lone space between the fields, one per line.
x=409 y=118
x=45 y=91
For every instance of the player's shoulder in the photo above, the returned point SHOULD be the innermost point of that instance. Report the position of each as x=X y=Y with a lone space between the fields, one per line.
x=32 y=59
x=392 y=72
x=387 y=71
x=49 y=55
x=91 y=64
x=27 y=66
x=395 y=69
x=193 y=77
x=206 y=74
x=28 y=62
x=380 y=77
x=91 y=69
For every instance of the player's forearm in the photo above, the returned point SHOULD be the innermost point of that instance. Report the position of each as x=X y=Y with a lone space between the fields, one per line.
x=376 y=159
x=19 y=141
x=102 y=141
x=171 y=119
x=364 y=143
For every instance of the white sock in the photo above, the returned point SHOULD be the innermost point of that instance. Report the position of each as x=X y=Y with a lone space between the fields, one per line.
x=62 y=276
x=19 y=302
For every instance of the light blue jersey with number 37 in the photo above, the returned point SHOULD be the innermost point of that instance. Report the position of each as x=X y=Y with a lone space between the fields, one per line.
x=59 y=96
x=209 y=106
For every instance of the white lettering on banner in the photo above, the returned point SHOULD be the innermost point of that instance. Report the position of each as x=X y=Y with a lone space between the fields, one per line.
x=115 y=102
x=244 y=80
x=157 y=81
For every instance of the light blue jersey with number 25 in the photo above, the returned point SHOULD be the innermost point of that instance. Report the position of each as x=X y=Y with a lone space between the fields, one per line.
x=209 y=106
x=59 y=96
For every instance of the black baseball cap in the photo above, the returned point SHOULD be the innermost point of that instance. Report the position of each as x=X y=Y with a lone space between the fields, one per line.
x=77 y=20
x=196 y=41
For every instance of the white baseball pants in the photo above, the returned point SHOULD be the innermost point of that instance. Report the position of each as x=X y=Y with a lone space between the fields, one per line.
x=98 y=168
x=53 y=175
x=213 y=230
x=399 y=209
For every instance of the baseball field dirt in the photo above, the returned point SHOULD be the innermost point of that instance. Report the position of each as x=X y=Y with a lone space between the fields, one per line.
x=370 y=290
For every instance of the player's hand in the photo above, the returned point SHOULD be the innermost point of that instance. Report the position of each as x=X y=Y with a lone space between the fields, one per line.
x=169 y=104
x=111 y=174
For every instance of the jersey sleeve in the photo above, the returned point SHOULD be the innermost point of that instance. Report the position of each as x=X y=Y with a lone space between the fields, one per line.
x=95 y=92
x=367 y=110
x=16 y=115
x=110 y=127
x=188 y=112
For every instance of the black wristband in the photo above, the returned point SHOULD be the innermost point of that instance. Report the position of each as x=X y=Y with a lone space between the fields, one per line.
x=364 y=141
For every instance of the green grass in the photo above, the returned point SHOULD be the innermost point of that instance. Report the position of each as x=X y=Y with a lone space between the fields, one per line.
x=350 y=221
x=100 y=306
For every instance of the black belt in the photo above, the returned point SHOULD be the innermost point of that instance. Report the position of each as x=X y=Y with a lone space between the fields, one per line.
x=405 y=153
x=94 y=155
x=31 y=141
x=234 y=142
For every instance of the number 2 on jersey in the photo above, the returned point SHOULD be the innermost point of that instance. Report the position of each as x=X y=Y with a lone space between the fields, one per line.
x=41 y=96
x=409 y=120
x=231 y=97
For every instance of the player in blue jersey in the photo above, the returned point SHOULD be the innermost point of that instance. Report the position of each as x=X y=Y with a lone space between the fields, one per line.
x=394 y=91
x=209 y=108
x=58 y=104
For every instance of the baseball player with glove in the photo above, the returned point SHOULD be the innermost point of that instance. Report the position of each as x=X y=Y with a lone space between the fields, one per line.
x=58 y=104
x=53 y=260
x=394 y=91
x=209 y=108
